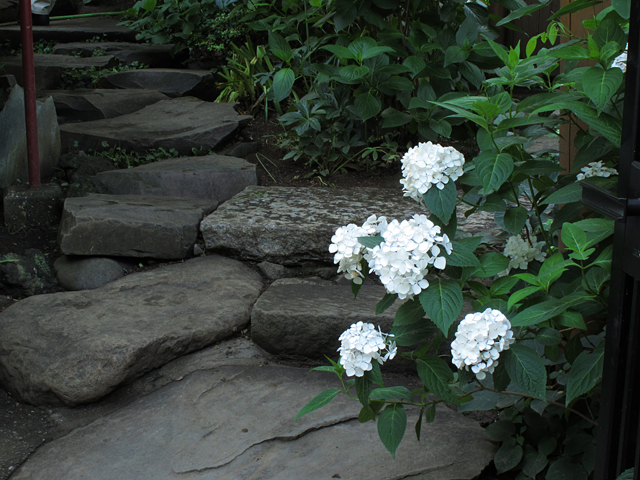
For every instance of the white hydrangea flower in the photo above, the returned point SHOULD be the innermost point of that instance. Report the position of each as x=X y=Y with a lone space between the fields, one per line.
x=348 y=251
x=596 y=169
x=479 y=340
x=408 y=249
x=429 y=164
x=621 y=60
x=520 y=253
x=361 y=344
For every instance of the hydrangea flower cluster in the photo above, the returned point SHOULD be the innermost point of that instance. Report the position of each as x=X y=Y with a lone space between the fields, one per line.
x=520 y=253
x=596 y=169
x=348 y=252
x=479 y=340
x=621 y=60
x=408 y=249
x=361 y=344
x=429 y=164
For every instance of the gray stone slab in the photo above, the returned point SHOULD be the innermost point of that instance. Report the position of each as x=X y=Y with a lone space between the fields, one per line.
x=96 y=104
x=180 y=123
x=131 y=225
x=26 y=207
x=236 y=422
x=292 y=226
x=144 y=53
x=170 y=81
x=87 y=273
x=216 y=177
x=74 y=30
x=13 y=139
x=294 y=317
x=76 y=347
x=49 y=68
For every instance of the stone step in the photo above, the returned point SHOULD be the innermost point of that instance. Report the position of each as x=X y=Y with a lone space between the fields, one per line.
x=214 y=418
x=170 y=81
x=300 y=318
x=76 y=347
x=131 y=225
x=49 y=68
x=180 y=123
x=84 y=105
x=214 y=177
x=74 y=30
x=151 y=55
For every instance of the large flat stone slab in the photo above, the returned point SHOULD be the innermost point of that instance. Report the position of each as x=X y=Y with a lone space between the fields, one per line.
x=85 y=105
x=236 y=422
x=131 y=225
x=294 y=317
x=144 y=53
x=292 y=226
x=49 y=68
x=170 y=81
x=217 y=177
x=74 y=30
x=180 y=123
x=76 y=347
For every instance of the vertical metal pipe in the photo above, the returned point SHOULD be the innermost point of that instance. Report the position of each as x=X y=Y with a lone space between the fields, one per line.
x=29 y=80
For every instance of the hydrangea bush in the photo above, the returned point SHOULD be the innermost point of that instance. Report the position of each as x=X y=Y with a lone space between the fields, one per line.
x=533 y=347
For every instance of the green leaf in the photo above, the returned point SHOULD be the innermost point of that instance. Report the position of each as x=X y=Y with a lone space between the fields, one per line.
x=442 y=203
x=604 y=259
x=514 y=219
x=609 y=31
x=461 y=256
x=409 y=313
x=394 y=118
x=367 y=105
x=565 y=469
x=534 y=462
x=526 y=370
x=389 y=393
x=571 y=319
x=600 y=85
x=522 y=294
x=549 y=336
x=353 y=72
x=376 y=376
x=280 y=47
x=415 y=64
x=545 y=310
x=574 y=238
x=472 y=73
x=149 y=5
x=282 y=83
x=519 y=13
x=455 y=54
x=442 y=302
x=343 y=53
x=569 y=194
x=500 y=430
x=436 y=375
x=508 y=456
x=492 y=263
x=597 y=229
x=366 y=414
x=392 y=424
x=371 y=242
x=364 y=385
x=502 y=286
x=628 y=473
x=318 y=401
x=622 y=7
x=574 y=6
x=411 y=334
x=585 y=372
x=400 y=84
x=387 y=301
x=493 y=170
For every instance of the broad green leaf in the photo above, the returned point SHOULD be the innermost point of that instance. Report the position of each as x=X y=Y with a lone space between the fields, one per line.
x=367 y=105
x=389 y=393
x=472 y=73
x=392 y=424
x=568 y=194
x=628 y=473
x=604 y=259
x=574 y=6
x=493 y=170
x=415 y=64
x=318 y=401
x=526 y=370
x=400 y=84
x=467 y=32
x=364 y=385
x=376 y=375
x=282 y=83
x=461 y=256
x=479 y=288
x=514 y=219
x=411 y=334
x=574 y=238
x=492 y=263
x=442 y=302
x=343 y=53
x=393 y=118
x=545 y=310
x=366 y=414
x=500 y=430
x=149 y=5
x=409 y=313
x=565 y=469
x=521 y=294
x=622 y=7
x=353 y=72
x=371 y=242
x=585 y=373
x=519 y=13
x=477 y=119
x=549 y=336
x=595 y=278
x=280 y=47
x=345 y=15
x=387 y=301
x=442 y=203
x=436 y=375
x=367 y=47
x=571 y=319
x=455 y=54
x=600 y=85
x=609 y=31
x=508 y=456
x=430 y=414
x=533 y=463
x=597 y=229
x=502 y=286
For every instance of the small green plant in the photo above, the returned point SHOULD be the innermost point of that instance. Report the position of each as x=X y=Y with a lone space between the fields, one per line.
x=88 y=77
x=123 y=158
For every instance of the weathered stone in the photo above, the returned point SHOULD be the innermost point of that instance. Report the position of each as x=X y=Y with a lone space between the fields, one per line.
x=297 y=318
x=49 y=68
x=75 y=347
x=170 y=81
x=81 y=171
x=26 y=207
x=74 y=30
x=13 y=139
x=236 y=422
x=291 y=226
x=242 y=150
x=273 y=271
x=131 y=225
x=86 y=105
x=23 y=276
x=144 y=53
x=87 y=273
x=214 y=176
x=180 y=123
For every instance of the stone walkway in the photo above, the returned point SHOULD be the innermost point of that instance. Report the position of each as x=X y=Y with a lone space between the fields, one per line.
x=154 y=375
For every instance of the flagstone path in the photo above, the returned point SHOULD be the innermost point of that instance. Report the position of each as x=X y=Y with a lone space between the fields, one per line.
x=162 y=374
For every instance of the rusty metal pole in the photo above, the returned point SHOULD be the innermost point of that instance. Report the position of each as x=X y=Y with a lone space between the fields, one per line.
x=29 y=81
